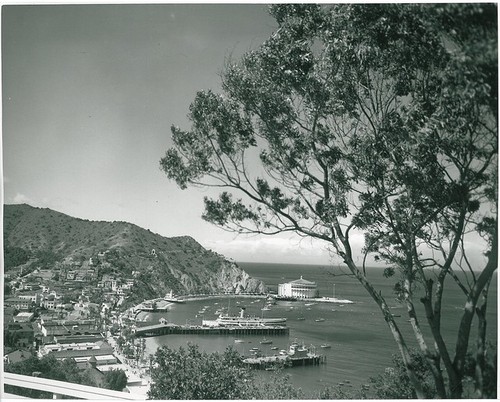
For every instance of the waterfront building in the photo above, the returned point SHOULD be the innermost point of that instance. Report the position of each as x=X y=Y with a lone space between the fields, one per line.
x=72 y=342
x=299 y=289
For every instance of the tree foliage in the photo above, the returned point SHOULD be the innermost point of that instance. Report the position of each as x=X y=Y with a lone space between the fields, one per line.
x=115 y=379
x=14 y=256
x=188 y=373
x=379 y=119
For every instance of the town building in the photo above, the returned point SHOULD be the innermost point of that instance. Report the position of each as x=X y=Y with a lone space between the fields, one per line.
x=100 y=353
x=24 y=317
x=299 y=289
x=66 y=327
x=72 y=342
x=18 y=303
x=34 y=298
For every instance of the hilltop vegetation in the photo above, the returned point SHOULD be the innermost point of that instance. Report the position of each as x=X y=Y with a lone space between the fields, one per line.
x=43 y=238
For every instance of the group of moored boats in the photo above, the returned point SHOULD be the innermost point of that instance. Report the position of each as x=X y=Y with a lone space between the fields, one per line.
x=297 y=354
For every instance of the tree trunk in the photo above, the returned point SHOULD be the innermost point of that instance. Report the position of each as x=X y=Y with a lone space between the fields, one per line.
x=481 y=346
x=466 y=321
x=396 y=333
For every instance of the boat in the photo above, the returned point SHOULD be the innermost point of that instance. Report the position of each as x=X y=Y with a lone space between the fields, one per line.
x=239 y=341
x=225 y=320
x=265 y=308
x=266 y=341
x=286 y=298
x=274 y=348
x=309 y=304
x=325 y=346
x=319 y=319
x=301 y=318
x=173 y=299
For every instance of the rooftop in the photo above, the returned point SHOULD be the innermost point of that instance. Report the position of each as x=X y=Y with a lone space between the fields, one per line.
x=302 y=281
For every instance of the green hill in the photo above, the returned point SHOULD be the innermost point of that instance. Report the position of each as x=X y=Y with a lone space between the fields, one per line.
x=43 y=238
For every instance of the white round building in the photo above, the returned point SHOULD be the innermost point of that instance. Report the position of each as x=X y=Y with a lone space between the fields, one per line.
x=299 y=288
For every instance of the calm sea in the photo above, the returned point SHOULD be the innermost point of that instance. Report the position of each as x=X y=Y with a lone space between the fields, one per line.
x=361 y=343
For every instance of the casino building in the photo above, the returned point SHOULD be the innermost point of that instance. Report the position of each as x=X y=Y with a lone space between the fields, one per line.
x=299 y=289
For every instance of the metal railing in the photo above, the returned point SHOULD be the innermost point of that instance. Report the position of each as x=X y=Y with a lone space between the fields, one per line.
x=60 y=389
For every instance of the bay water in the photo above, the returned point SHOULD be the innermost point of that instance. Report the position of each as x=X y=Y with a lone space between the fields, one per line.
x=361 y=343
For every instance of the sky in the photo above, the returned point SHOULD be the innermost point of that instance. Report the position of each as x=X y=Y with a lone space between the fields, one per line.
x=89 y=95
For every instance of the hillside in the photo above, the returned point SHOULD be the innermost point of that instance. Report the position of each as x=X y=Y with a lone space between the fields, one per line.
x=43 y=238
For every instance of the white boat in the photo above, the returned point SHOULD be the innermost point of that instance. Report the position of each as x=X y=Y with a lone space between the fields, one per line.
x=266 y=341
x=319 y=319
x=173 y=299
x=325 y=345
x=225 y=320
x=239 y=341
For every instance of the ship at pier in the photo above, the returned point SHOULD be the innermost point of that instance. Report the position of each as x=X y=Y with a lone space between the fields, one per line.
x=225 y=320
x=173 y=299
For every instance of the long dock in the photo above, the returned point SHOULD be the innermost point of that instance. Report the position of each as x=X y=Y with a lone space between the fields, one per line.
x=267 y=362
x=171 y=329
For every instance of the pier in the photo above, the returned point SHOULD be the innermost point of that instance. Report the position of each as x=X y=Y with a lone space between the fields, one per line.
x=173 y=329
x=268 y=362
x=151 y=309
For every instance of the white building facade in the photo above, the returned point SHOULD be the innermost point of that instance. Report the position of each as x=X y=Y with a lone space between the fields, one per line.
x=300 y=289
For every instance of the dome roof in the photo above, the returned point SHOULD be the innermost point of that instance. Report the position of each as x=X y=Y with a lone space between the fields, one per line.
x=302 y=281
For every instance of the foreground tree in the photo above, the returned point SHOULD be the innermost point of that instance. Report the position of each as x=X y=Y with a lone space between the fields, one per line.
x=372 y=118
x=115 y=379
x=192 y=374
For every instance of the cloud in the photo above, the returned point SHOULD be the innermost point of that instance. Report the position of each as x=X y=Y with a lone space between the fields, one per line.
x=21 y=199
x=271 y=249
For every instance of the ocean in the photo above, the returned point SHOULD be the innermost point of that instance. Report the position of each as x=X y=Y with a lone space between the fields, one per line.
x=361 y=343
